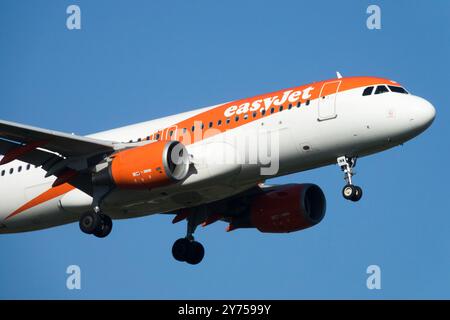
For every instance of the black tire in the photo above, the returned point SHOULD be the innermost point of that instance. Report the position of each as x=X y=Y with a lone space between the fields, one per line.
x=105 y=227
x=89 y=222
x=358 y=194
x=196 y=252
x=180 y=249
x=349 y=191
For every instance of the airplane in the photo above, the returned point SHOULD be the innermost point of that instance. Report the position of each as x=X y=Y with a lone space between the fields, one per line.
x=50 y=178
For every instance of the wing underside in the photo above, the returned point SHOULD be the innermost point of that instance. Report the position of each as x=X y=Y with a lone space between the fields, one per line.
x=56 y=152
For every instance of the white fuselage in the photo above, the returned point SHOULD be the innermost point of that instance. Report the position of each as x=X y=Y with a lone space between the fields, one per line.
x=356 y=125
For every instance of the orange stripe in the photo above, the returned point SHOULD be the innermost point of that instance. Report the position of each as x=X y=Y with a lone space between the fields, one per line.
x=43 y=197
x=215 y=114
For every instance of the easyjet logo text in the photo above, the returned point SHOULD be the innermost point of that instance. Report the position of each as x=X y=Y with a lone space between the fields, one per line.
x=289 y=96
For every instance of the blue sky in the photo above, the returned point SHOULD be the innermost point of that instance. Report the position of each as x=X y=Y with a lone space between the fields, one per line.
x=138 y=60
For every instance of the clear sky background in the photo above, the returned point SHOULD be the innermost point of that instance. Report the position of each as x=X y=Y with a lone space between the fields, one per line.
x=139 y=60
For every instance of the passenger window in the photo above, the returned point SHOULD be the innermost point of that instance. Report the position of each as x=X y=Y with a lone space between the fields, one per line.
x=193 y=128
x=236 y=118
x=255 y=114
x=263 y=111
x=307 y=102
x=367 y=91
x=228 y=120
x=202 y=126
x=398 y=89
x=381 y=89
x=272 y=110
x=157 y=136
x=28 y=166
x=184 y=130
x=11 y=171
x=3 y=173
x=210 y=124
x=281 y=108
x=19 y=169
x=290 y=106
x=299 y=104
x=219 y=122
x=245 y=116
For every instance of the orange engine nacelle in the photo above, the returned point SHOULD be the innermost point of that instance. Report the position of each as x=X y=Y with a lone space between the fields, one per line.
x=288 y=208
x=149 y=166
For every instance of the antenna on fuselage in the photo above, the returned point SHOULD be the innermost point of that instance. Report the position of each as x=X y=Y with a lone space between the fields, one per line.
x=338 y=74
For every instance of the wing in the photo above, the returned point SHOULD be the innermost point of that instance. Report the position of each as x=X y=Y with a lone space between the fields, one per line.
x=68 y=145
x=64 y=155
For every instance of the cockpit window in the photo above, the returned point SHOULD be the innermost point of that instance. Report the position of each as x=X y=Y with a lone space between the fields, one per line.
x=367 y=91
x=398 y=89
x=381 y=89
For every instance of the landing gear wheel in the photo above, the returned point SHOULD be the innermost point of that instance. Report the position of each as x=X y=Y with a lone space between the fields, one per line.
x=196 y=252
x=105 y=227
x=180 y=249
x=349 y=191
x=352 y=193
x=90 y=222
x=358 y=194
x=189 y=251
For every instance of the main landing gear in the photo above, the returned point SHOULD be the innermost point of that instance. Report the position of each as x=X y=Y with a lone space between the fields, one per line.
x=350 y=191
x=187 y=249
x=96 y=223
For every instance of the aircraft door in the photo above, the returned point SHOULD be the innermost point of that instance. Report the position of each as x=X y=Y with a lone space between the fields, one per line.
x=327 y=100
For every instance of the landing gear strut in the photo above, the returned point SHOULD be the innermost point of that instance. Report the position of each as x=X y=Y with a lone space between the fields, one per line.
x=187 y=249
x=350 y=191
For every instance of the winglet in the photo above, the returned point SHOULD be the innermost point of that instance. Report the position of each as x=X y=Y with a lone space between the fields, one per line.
x=338 y=74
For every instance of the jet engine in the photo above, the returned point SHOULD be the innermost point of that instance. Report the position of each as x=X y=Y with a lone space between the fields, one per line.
x=153 y=165
x=282 y=209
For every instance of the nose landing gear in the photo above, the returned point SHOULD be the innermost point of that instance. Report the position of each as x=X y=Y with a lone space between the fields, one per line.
x=350 y=191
